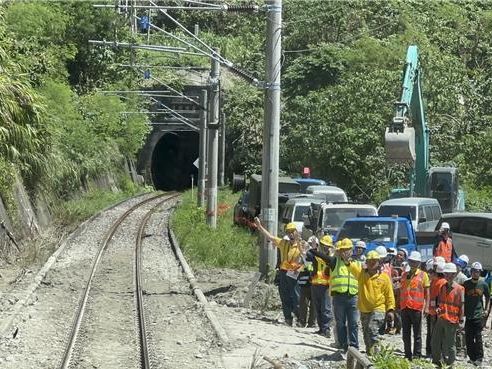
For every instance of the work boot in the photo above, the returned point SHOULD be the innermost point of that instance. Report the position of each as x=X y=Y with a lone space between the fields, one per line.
x=289 y=322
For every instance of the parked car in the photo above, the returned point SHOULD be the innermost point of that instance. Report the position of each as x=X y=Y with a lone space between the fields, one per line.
x=390 y=232
x=424 y=212
x=294 y=211
x=285 y=185
x=328 y=193
x=306 y=182
x=326 y=218
x=472 y=235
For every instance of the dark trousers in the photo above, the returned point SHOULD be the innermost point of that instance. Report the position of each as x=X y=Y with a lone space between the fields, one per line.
x=322 y=303
x=431 y=321
x=412 y=319
x=305 y=303
x=473 y=336
x=287 y=289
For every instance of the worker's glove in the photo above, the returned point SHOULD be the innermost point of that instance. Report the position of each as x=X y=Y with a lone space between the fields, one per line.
x=390 y=316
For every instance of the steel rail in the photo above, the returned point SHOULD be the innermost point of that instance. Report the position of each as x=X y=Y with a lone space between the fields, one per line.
x=144 y=352
x=83 y=303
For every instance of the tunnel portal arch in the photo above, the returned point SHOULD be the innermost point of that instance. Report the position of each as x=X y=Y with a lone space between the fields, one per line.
x=172 y=161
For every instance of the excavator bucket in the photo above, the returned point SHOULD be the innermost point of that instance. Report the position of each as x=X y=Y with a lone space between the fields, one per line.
x=400 y=146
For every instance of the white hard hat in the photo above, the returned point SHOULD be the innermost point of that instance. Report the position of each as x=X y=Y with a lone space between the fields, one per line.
x=361 y=244
x=450 y=268
x=313 y=239
x=391 y=251
x=440 y=267
x=439 y=260
x=429 y=264
x=404 y=252
x=445 y=225
x=464 y=258
x=381 y=250
x=477 y=266
x=415 y=256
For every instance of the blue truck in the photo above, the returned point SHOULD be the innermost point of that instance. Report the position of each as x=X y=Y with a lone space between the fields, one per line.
x=390 y=232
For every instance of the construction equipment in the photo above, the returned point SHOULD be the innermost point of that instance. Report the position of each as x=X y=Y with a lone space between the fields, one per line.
x=407 y=142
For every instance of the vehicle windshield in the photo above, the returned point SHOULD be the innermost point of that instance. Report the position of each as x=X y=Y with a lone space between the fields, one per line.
x=331 y=197
x=400 y=210
x=300 y=211
x=369 y=231
x=334 y=218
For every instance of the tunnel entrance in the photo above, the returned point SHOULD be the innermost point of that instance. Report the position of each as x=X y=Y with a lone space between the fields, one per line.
x=172 y=161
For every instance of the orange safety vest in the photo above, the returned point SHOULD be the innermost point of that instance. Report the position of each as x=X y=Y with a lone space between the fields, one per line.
x=412 y=291
x=320 y=278
x=451 y=303
x=445 y=249
x=435 y=287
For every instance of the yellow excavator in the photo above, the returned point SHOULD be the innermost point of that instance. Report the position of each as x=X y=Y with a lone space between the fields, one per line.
x=407 y=142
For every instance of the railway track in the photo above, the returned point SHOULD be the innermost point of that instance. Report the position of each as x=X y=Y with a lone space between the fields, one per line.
x=97 y=291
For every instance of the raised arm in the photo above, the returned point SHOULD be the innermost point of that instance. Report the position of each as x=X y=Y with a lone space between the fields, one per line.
x=262 y=229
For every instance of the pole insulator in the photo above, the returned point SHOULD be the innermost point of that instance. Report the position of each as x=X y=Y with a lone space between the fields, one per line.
x=247 y=8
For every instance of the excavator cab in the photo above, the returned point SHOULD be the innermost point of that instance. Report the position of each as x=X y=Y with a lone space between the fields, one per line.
x=443 y=185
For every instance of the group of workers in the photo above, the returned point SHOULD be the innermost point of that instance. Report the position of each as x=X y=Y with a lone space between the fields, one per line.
x=390 y=292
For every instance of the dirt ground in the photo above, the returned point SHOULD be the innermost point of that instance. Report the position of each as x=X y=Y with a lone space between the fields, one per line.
x=248 y=311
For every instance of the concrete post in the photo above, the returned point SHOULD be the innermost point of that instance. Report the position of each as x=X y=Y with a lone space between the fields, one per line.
x=271 y=133
x=213 y=144
x=222 y=151
x=202 y=150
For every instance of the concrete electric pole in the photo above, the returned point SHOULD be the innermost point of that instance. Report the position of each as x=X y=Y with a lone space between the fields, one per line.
x=213 y=143
x=202 y=149
x=271 y=133
x=222 y=150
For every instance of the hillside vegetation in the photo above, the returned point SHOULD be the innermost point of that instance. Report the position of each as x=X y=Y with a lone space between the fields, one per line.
x=341 y=74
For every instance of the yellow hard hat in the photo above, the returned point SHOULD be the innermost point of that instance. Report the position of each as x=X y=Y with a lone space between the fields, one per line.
x=326 y=240
x=290 y=227
x=373 y=255
x=344 y=244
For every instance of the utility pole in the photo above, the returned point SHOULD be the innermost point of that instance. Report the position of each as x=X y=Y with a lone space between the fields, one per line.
x=271 y=133
x=202 y=149
x=222 y=150
x=213 y=143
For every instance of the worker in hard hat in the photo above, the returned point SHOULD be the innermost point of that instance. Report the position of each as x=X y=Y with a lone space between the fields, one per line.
x=461 y=264
x=307 y=314
x=435 y=271
x=450 y=312
x=444 y=245
x=384 y=261
x=291 y=251
x=375 y=296
x=344 y=289
x=477 y=310
x=414 y=300
x=359 y=251
x=320 y=282
x=398 y=266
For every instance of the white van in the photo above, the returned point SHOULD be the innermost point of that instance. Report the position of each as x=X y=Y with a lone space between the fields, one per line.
x=425 y=212
x=472 y=235
x=328 y=193
x=327 y=218
x=294 y=211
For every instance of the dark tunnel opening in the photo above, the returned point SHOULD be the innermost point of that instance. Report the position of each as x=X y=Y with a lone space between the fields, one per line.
x=172 y=161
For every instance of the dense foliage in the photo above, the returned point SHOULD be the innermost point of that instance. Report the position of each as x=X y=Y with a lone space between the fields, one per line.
x=55 y=126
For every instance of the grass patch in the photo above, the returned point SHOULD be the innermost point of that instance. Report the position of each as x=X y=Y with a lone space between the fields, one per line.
x=77 y=210
x=227 y=246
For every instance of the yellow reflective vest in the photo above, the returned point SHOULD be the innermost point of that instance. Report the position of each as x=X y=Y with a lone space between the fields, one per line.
x=342 y=281
x=319 y=276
